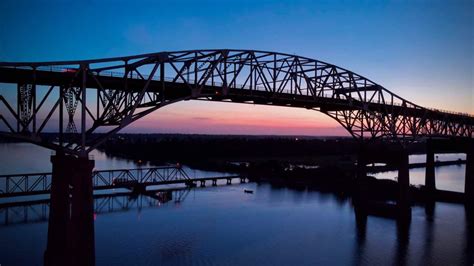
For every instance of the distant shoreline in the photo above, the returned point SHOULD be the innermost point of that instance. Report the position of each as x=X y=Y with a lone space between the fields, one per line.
x=192 y=135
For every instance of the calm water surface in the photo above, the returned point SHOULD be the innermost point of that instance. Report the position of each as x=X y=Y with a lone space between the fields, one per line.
x=449 y=177
x=225 y=226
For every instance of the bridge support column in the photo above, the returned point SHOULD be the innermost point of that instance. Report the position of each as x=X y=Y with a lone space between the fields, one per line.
x=214 y=182
x=56 y=249
x=362 y=187
x=469 y=179
x=71 y=217
x=361 y=164
x=430 y=181
x=229 y=181
x=404 y=184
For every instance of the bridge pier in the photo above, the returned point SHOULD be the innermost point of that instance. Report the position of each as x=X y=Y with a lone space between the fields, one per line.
x=214 y=182
x=229 y=181
x=469 y=178
x=71 y=217
x=361 y=164
x=404 y=184
x=361 y=196
x=56 y=249
x=203 y=183
x=430 y=181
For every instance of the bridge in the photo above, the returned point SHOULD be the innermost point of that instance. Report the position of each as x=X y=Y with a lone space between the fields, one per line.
x=106 y=95
x=136 y=180
x=112 y=93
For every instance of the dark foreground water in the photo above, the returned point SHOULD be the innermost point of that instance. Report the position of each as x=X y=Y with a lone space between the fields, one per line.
x=225 y=226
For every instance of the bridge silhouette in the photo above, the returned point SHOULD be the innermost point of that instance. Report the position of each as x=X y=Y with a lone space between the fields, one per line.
x=137 y=180
x=112 y=93
x=106 y=95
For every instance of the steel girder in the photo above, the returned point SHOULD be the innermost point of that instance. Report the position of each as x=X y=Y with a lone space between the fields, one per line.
x=112 y=93
x=40 y=183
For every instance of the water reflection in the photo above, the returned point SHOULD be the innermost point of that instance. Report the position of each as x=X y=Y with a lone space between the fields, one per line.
x=361 y=231
x=430 y=209
x=469 y=246
x=20 y=158
x=224 y=226
x=449 y=177
x=274 y=226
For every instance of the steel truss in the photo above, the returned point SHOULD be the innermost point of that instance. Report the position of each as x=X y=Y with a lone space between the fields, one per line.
x=40 y=183
x=109 y=94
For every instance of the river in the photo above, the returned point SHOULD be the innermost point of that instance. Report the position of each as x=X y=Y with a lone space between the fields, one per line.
x=224 y=226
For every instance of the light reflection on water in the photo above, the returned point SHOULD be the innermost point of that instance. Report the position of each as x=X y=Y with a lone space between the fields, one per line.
x=421 y=158
x=273 y=226
x=21 y=158
x=450 y=177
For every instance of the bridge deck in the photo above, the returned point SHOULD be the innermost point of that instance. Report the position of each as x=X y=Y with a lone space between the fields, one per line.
x=135 y=179
x=239 y=94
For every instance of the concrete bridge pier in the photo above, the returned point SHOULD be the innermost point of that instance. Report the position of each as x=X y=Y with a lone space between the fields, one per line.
x=214 y=182
x=361 y=164
x=71 y=217
x=430 y=181
x=56 y=249
x=362 y=192
x=469 y=179
x=404 y=204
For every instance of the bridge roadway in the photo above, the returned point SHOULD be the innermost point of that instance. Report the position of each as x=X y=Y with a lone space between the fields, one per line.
x=176 y=90
x=136 y=180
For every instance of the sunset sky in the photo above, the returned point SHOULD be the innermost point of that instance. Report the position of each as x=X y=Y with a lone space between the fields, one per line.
x=421 y=50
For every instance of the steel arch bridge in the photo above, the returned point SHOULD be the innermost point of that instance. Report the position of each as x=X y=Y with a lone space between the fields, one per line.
x=106 y=95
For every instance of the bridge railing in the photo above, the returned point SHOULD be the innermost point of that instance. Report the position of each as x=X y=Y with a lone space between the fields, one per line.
x=24 y=183
x=40 y=183
x=140 y=175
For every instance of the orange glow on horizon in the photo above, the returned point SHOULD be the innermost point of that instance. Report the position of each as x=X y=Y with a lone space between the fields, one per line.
x=198 y=117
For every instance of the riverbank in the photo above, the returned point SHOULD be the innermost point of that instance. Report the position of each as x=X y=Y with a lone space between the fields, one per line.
x=326 y=164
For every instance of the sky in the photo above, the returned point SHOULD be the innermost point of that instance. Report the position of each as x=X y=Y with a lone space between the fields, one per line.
x=420 y=50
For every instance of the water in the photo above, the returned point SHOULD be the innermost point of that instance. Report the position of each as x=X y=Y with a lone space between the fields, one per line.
x=19 y=158
x=450 y=177
x=225 y=226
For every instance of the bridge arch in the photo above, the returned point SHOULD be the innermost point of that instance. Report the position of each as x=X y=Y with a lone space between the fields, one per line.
x=125 y=89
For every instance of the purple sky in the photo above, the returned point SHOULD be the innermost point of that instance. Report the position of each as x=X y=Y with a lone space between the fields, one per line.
x=421 y=50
